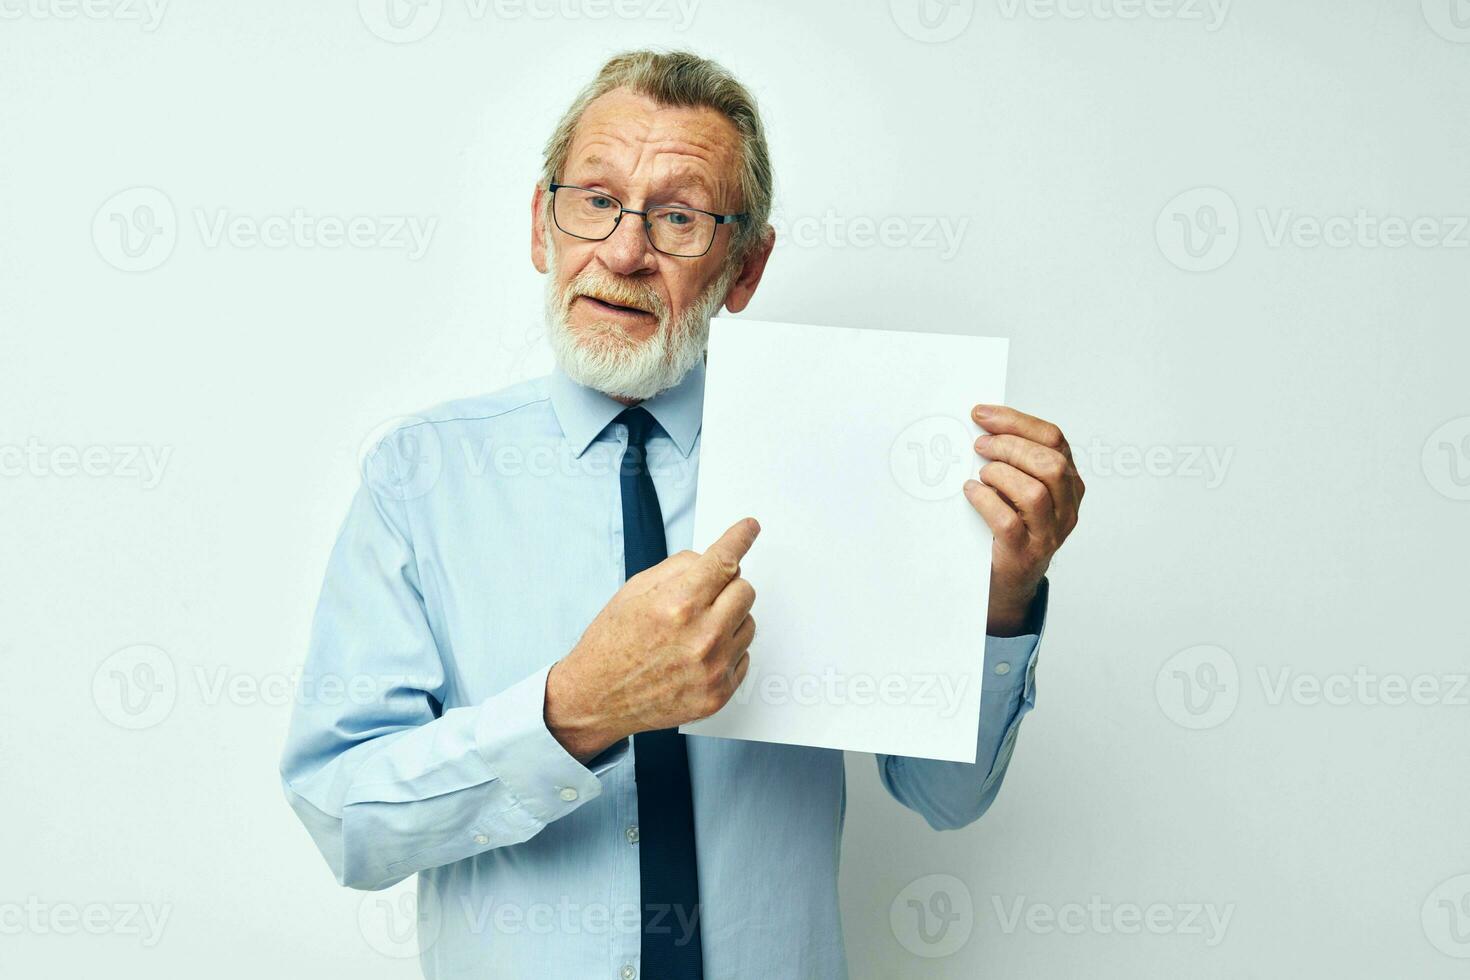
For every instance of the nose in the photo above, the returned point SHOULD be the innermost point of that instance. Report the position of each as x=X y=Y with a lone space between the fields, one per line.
x=627 y=250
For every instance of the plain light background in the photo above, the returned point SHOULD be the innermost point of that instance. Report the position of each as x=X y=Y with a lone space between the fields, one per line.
x=1130 y=192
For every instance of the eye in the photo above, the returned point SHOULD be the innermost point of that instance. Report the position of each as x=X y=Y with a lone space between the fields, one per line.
x=600 y=202
x=678 y=218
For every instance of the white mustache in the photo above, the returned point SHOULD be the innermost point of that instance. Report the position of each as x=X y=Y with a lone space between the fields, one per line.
x=646 y=301
x=612 y=302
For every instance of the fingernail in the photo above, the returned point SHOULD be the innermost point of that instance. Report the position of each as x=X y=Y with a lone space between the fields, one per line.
x=982 y=442
x=983 y=411
x=970 y=485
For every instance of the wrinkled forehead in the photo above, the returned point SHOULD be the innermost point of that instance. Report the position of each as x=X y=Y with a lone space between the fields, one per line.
x=632 y=147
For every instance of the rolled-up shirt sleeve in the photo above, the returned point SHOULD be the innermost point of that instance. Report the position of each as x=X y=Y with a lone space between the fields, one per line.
x=385 y=781
x=950 y=795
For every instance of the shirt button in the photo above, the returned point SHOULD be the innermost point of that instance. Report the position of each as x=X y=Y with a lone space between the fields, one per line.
x=481 y=839
x=568 y=794
x=1002 y=668
x=632 y=834
x=627 y=972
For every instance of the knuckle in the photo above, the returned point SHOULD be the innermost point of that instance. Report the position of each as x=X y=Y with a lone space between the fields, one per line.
x=679 y=611
x=705 y=648
x=682 y=658
x=711 y=701
x=716 y=676
x=1035 y=495
x=1052 y=436
x=741 y=640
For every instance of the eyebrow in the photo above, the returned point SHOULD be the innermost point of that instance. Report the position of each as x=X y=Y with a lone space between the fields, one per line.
x=678 y=181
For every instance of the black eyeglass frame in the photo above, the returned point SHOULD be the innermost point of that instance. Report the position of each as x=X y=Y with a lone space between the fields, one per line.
x=720 y=219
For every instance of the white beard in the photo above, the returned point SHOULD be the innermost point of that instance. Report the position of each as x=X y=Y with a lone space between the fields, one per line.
x=602 y=357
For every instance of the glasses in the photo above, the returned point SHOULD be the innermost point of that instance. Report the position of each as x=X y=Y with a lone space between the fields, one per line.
x=592 y=215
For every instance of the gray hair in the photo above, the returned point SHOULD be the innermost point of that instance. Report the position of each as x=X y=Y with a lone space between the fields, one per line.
x=685 y=80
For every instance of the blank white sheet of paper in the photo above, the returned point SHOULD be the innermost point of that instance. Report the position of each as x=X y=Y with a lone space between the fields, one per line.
x=851 y=448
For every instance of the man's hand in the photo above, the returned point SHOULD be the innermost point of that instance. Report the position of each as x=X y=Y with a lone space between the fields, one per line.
x=668 y=648
x=1029 y=494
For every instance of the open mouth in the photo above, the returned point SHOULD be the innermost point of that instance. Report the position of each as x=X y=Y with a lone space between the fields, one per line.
x=607 y=307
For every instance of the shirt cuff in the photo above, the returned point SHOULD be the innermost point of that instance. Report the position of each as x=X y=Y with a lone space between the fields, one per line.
x=546 y=781
x=1010 y=661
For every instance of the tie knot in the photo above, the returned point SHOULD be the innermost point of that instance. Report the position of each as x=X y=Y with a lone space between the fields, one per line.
x=639 y=423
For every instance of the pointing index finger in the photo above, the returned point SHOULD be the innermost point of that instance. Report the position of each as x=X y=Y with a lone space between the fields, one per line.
x=721 y=561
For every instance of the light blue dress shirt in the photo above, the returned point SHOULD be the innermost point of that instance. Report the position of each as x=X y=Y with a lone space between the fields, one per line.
x=486 y=536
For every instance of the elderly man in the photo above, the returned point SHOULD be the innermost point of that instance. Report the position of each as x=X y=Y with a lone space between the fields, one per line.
x=510 y=634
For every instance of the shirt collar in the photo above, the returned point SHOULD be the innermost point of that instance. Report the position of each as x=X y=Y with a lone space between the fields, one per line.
x=584 y=412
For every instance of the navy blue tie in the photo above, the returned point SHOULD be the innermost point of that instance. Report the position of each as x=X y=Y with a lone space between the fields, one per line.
x=669 y=879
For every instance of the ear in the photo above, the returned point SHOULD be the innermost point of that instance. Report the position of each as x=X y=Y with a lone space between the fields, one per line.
x=743 y=288
x=538 y=231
